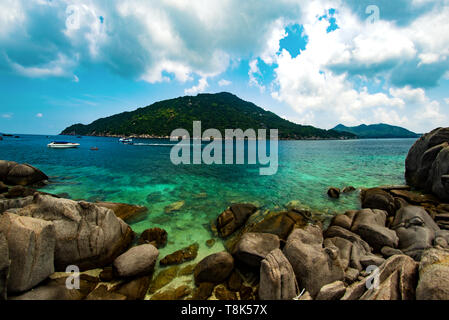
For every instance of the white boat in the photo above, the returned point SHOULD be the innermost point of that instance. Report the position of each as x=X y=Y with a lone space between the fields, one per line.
x=126 y=140
x=62 y=145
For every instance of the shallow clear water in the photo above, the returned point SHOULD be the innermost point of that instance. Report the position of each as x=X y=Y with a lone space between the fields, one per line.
x=144 y=175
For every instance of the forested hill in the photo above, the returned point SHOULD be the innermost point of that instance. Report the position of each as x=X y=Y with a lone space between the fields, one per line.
x=220 y=111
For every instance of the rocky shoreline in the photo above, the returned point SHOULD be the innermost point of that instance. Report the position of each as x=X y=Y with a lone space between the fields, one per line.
x=395 y=248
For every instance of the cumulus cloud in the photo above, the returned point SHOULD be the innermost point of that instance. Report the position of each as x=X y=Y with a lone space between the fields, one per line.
x=39 y=115
x=202 y=85
x=224 y=83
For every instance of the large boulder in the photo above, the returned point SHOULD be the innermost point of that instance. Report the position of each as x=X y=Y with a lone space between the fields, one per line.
x=433 y=281
x=396 y=280
x=277 y=278
x=428 y=162
x=314 y=265
x=332 y=291
x=254 y=247
x=370 y=225
x=87 y=235
x=233 y=218
x=416 y=230
x=137 y=261
x=214 y=268
x=377 y=198
x=20 y=174
x=6 y=204
x=4 y=266
x=31 y=244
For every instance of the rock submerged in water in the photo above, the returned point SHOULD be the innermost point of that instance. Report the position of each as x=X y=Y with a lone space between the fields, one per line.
x=155 y=236
x=333 y=192
x=124 y=211
x=20 y=174
x=174 y=207
x=187 y=254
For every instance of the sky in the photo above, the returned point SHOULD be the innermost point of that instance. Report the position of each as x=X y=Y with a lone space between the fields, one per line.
x=319 y=63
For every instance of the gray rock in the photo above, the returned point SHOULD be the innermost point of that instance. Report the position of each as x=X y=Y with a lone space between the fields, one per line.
x=314 y=266
x=87 y=235
x=377 y=198
x=233 y=218
x=351 y=275
x=7 y=204
x=332 y=291
x=20 y=174
x=137 y=261
x=370 y=225
x=397 y=280
x=416 y=230
x=389 y=251
x=333 y=193
x=254 y=247
x=31 y=244
x=277 y=278
x=355 y=290
x=371 y=260
x=343 y=220
x=214 y=268
x=344 y=249
x=4 y=266
x=433 y=281
x=427 y=163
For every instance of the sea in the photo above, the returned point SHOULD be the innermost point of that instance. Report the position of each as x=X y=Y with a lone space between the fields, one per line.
x=143 y=174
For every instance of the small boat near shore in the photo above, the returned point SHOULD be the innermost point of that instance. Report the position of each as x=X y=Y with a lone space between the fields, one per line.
x=63 y=145
x=126 y=140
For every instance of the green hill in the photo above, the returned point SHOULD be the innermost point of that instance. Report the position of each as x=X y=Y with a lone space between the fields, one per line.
x=220 y=111
x=377 y=131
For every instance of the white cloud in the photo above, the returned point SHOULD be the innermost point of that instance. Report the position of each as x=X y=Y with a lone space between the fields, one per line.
x=253 y=71
x=224 y=83
x=446 y=100
x=202 y=85
x=39 y=115
x=7 y=115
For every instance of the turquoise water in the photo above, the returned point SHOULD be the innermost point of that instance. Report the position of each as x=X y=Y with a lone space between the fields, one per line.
x=144 y=175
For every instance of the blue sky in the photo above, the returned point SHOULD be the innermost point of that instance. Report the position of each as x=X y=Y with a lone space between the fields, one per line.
x=312 y=62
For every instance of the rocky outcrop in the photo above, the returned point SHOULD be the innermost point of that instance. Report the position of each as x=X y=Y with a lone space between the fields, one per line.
x=416 y=230
x=395 y=279
x=314 y=265
x=433 y=275
x=31 y=244
x=137 y=261
x=233 y=218
x=20 y=174
x=377 y=198
x=124 y=211
x=4 y=266
x=277 y=278
x=155 y=236
x=254 y=247
x=427 y=163
x=370 y=225
x=214 y=268
x=87 y=235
